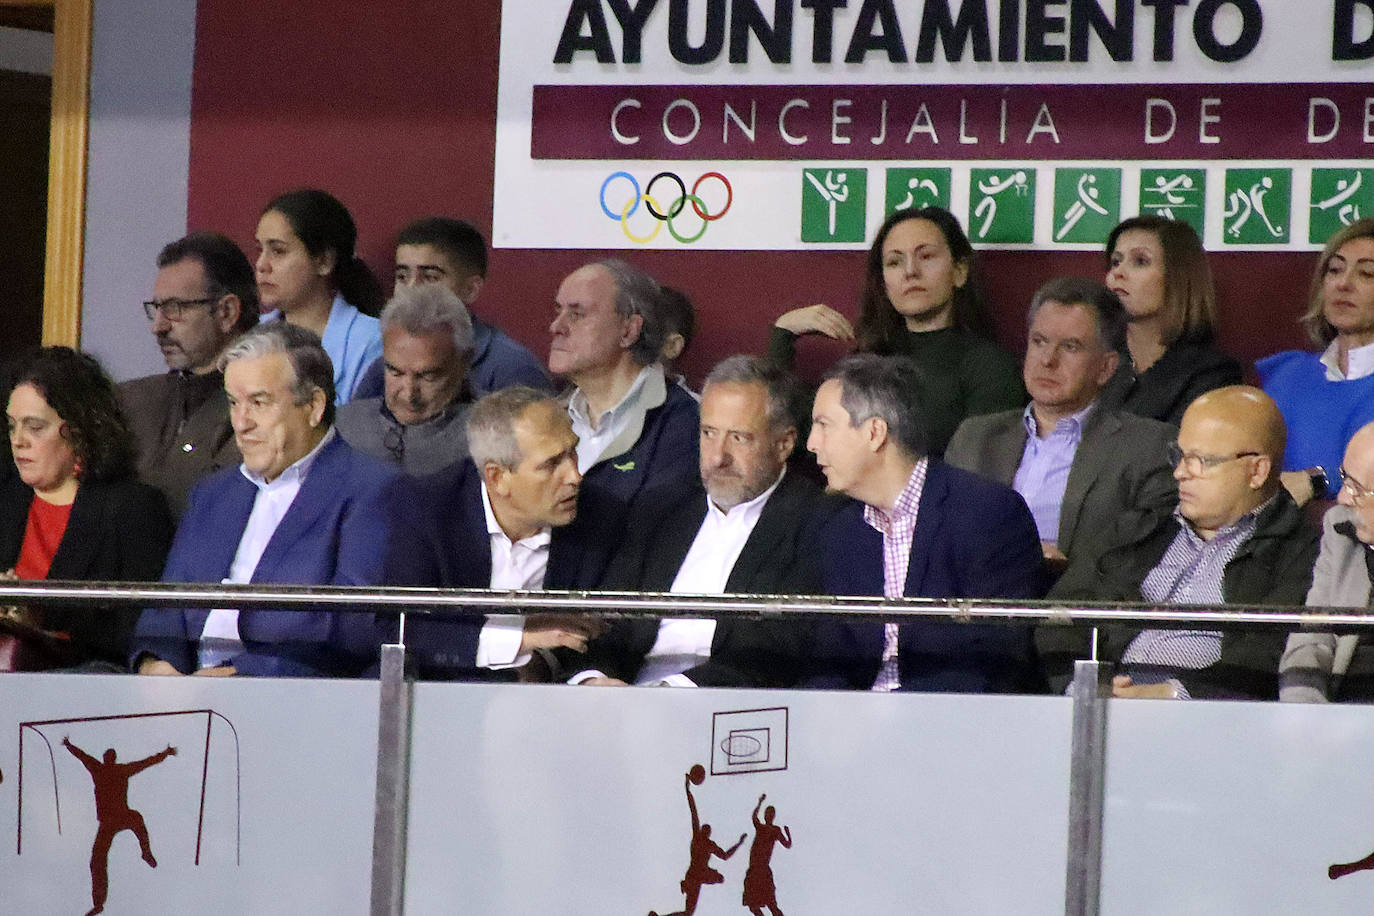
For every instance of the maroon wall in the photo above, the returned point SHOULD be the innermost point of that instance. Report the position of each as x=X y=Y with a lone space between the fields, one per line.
x=393 y=109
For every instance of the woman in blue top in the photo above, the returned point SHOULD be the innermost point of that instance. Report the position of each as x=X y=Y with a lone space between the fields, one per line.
x=1325 y=397
x=309 y=276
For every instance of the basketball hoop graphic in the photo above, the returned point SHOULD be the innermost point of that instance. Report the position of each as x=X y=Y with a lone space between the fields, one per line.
x=39 y=728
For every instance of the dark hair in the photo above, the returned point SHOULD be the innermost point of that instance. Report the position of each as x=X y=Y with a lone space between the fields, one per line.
x=77 y=388
x=880 y=328
x=323 y=224
x=780 y=385
x=227 y=270
x=679 y=315
x=1314 y=320
x=456 y=238
x=890 y=388
x=1108 y=313
x=311 y=367
x=1190 y=299
x=637 y=293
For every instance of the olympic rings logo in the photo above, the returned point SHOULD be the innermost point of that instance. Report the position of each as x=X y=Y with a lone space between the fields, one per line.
x=664 y=215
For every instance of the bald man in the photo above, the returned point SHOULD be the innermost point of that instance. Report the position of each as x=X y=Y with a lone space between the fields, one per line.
x=1235 y=537
x=1317 y=667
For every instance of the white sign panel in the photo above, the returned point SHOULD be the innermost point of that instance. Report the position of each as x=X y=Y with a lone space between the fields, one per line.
x=538 y=800
x=1041 y=123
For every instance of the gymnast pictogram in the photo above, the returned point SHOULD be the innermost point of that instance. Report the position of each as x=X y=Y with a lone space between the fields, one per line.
x=759 y=889
x=112 y=812
x=699 y=870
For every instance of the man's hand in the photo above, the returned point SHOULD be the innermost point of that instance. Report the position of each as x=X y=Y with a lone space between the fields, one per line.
x=816 y=319
x=157 y=666
x=217 y=671
x=603 y=682
x=1123 y=686
x=558 y=631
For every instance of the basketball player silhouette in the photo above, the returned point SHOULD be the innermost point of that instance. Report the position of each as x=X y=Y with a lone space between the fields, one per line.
x=759 y=891
x=699 y=870
x=112 y=812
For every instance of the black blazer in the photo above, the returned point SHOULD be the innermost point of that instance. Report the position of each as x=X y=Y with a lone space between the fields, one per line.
x=119 y=531
x=777 y=559
x=458 y=555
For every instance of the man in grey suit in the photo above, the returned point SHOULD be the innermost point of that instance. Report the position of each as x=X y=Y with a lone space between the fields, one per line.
x=1082 y=468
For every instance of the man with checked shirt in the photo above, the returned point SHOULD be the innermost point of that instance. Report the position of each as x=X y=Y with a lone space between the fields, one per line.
x=916 y=528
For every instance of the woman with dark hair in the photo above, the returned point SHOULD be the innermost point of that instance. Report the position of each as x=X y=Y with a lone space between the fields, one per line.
x=1325 y=397
x=73 y=510
x=309 y=275
x=921 y=299
x=1159 y=270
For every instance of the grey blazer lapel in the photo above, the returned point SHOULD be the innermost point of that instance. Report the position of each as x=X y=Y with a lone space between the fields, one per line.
x=1005 y=446
x=1088 y=463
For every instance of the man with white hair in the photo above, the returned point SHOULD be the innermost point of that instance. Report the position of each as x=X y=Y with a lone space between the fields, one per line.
x=427 y=344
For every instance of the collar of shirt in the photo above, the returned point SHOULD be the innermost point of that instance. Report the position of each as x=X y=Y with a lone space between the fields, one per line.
x=534 y=542
x=1360 y=360
x=904 y=510
x=1239 y=530
x=579 y=412
x=1070 y=426
x=294 y=475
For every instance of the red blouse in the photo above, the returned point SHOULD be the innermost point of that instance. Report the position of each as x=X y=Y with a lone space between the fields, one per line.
x=42 y=536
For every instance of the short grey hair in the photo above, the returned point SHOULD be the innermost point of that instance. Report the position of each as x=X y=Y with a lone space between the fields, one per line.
x=430 y=308
x=1109 y=315
x=637 y=293
x=779 y=384
x=311 y=368
x=491 y=425
x=890 y=388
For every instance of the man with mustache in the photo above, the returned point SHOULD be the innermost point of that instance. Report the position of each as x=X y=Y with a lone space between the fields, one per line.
x=427 y=345
x=744 y=530
x=204 y=296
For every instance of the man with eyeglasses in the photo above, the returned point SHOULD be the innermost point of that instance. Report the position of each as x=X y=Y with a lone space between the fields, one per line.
x=418 y=423
x=204 y=296
x=1236 y=537
x=1079 y=465
x=1318 y=667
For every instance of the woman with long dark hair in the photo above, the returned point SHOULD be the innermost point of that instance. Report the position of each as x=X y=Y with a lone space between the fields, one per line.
x=73 y=510
x=309 y=275
x=921 y=299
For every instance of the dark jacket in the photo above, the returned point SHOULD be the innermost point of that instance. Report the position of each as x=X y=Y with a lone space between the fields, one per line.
x=1164 y=391
x=973 y=539
x=779 y=558
x=1273 y=568
x=119 y=531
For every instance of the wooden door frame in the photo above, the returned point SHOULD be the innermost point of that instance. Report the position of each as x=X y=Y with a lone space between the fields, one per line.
x=71 y=110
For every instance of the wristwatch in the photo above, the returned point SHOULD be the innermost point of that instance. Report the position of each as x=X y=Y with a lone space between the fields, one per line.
x=1320 y=482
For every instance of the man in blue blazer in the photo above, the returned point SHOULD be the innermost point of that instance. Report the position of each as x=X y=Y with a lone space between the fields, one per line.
x=515 y=516
x=916 y=528
x=304 y=508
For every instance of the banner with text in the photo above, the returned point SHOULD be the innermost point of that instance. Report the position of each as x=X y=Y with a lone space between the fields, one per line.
x=798 y=124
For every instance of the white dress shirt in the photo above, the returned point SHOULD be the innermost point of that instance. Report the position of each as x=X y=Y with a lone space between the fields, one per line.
x=219 y=639
x=682 y=644
x=594 y=436
x=1360 y=361
x=516 y=565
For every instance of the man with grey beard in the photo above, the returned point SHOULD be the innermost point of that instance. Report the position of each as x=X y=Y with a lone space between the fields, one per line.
x=745 y=531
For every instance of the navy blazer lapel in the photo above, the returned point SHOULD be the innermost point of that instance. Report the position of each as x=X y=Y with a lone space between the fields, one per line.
x=316 y=493
x=929 y=519
x=216 y=554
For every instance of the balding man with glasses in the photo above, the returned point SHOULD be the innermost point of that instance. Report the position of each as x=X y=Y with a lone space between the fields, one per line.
x=1317 y=667
x=1235 y=537
x=204 y=296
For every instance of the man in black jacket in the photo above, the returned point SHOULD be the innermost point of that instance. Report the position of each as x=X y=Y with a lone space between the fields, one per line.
x=743 y=531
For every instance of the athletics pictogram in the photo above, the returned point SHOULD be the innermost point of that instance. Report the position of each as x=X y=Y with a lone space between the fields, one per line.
x=112 y=812
x=664 y=216
x=699 y=870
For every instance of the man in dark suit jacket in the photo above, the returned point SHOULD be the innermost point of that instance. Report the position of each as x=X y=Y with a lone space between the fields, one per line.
x=304 y=508
x=1083 y=468
x=745 y=530
x=513 y=517
x=916 y=528
x=204 y=296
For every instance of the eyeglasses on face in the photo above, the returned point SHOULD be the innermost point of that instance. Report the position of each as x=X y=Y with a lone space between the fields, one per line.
x=1358 y=491
x=173 y=309
x=1197 y=464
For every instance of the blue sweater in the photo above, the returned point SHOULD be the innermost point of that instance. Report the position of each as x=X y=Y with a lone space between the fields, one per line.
x=1321 y=415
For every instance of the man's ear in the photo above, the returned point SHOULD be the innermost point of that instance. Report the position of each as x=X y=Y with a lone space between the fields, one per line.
x=318 y=402
x=494 y=476
x=1263 y=467
x=672 y=347
x=785 y=445
x=226 y=313
x=630 y=330
x=1110 y=362
x=470 y=288
x=877 y=433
